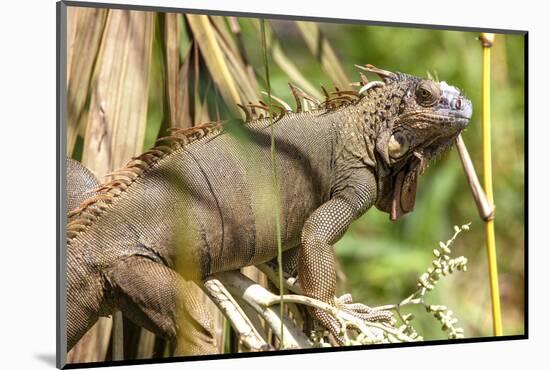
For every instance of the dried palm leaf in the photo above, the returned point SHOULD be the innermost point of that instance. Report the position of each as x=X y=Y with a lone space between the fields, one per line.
x=319 y=46
x=118 y=107
x=84 y=34
x=171 y=43
x=285 y=63
x=204 y=35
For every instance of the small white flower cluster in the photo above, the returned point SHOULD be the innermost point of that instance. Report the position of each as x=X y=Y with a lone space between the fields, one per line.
x=447 y=320
x=442 y=265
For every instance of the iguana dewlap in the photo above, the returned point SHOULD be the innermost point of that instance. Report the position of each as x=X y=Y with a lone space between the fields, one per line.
x=201 y=202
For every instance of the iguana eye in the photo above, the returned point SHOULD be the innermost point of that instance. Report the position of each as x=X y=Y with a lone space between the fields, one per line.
x=427 y=93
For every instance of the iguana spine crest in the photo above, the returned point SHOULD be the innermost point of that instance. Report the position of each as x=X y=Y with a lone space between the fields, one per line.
x=90 y=209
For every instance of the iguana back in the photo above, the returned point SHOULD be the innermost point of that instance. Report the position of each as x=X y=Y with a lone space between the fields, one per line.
x=211 y=200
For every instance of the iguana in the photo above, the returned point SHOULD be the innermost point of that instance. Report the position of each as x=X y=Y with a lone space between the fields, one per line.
x=200 y=202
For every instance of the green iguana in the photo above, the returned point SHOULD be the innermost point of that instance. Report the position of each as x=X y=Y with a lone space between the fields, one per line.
x=200 y=202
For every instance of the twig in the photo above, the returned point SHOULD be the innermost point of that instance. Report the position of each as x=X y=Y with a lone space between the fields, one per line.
x=255 y=296
x=485 y=208
x=261 y=300
x=234 y=313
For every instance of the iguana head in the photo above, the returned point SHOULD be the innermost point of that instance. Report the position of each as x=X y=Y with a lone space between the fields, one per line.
x=426 y=118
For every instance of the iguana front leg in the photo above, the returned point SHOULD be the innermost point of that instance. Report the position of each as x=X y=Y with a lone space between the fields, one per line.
x=316 y=263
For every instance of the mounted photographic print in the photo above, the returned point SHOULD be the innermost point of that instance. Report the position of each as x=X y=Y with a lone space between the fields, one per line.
x=236 y=184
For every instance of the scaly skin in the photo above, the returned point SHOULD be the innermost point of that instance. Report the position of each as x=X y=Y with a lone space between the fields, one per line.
x=206 y=206
x=80 y=182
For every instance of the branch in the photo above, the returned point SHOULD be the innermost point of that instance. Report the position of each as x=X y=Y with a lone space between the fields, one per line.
x=234 y=313
x=255 y=296
x=485 y=208
x=261 y=300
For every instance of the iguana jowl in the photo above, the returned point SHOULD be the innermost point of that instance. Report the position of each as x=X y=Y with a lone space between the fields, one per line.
x=199 y=203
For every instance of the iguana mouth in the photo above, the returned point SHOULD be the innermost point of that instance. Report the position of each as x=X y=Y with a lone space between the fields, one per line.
x=453 y=118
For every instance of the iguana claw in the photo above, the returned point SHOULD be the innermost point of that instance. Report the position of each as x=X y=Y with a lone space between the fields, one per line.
x=361 y=310
x=358 y=310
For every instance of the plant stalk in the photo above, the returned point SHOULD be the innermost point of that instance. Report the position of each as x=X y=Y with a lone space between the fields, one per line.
x=487 y=40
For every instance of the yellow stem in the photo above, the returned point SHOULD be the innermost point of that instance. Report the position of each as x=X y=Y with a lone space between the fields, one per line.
x=487 y=41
